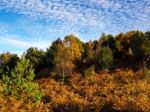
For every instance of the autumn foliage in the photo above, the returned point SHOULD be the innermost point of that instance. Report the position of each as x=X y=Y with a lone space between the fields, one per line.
x=105 y=75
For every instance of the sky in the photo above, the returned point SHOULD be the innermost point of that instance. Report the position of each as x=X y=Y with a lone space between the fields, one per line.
x=37 y=23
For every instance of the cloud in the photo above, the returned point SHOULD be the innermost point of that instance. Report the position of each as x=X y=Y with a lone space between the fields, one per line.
x=17 y=42
x=70 y=12
x=107 y=4
x=92 y=13
x=18 y=45
x=45 y=20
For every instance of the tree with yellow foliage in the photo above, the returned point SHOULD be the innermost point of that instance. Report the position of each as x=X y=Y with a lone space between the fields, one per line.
x=75 y=46
x=63 y=60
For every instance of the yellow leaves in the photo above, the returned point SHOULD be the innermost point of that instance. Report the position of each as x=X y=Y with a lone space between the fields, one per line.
x=75 y=47
x=63 y=61
x=1 y=88
x=6 y=56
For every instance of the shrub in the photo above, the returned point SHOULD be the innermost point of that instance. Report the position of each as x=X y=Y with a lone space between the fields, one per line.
x=105 y=58
x=89 y=71
x=19 y=84
x=148 y=76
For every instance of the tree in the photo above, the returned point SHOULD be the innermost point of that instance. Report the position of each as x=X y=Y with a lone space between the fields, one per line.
x=89 y=52
x=140 y=45
x=36 y=57
x=51 y=51
x=63 y=61
x=105 y=59
x=107 y=40
x=19 y=84
x=8 y=62
x=123 y=44
x=60 y=58
x=147 y=34
x=75 y=46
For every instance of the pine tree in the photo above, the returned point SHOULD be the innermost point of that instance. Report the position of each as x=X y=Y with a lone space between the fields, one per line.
x=19 y=84
x=105 y=58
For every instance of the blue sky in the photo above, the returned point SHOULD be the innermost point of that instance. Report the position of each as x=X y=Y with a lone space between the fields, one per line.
x=36 y=23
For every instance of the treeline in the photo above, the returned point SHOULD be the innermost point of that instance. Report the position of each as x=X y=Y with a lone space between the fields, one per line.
x=64 y=57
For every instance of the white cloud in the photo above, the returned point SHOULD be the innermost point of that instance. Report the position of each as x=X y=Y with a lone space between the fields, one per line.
x=107 y=4
x=104 y=15
x=24 y=44
x=65 y=10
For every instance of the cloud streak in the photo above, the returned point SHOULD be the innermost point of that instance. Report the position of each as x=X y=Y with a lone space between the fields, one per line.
x=24 y=44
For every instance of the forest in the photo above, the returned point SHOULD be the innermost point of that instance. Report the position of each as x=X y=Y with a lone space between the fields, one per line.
x=110 y=74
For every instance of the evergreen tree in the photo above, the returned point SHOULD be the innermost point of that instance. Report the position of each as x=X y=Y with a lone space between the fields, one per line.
x=8 y=62
x=105 y=58
x=19 y=84
x=36 y=57
x=51 y=51
x=140 y=45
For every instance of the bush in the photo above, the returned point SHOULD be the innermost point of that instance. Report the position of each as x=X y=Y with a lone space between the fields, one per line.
x=148 y=76
x=105 y=58
x=89 y=71
x=19 y=84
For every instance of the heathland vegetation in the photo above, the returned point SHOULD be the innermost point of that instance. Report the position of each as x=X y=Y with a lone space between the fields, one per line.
x=106 y=75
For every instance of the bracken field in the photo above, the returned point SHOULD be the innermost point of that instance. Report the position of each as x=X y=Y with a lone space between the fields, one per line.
x=119 y=90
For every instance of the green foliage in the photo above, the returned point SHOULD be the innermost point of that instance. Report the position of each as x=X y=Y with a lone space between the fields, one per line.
x=36 y=57
x=107 y=40
x=19 y=84
x=78 y=55
x=91 y=52
x=8 y=63
x=140 y=45
x=105 y=58
x=50 y=53
x=123 y=45
x=89 y=71
x=88 y=52
x=147 y=75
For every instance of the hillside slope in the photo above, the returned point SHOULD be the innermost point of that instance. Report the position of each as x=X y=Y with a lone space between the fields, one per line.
x=119 y=90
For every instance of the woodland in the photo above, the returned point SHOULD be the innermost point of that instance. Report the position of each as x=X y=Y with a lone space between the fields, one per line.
x=110 y=74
